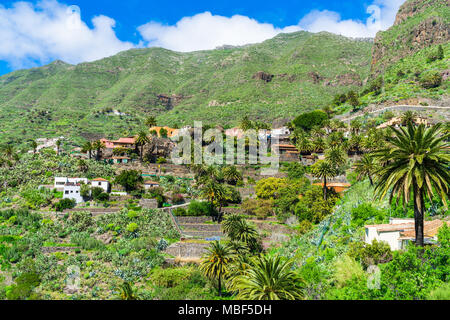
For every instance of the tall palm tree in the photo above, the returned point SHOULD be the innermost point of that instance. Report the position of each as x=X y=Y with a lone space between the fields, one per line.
x=141 y=140
x=216 y=262
x=324 y=170
x=302 y=141
x=269 y=278
x=366 y=167
x=58 y=146
x=229 y=225
x=87 y=148
x=416 y=162
x=34 y=146
x=98 y=146
x=336 y=156
x=150 y=122
x=215 y=194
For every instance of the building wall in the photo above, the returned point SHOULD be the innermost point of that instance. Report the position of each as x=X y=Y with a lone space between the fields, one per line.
x=73 y=192
x=391 y=237
x=105 y=185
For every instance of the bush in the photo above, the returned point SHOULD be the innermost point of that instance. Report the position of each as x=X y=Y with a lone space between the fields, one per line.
x=64 y=204
x=441 y=293
x=366 y=212
x=196 y=209
x=370 y=254
x=431 y=79
x=180 y=212
x=308 y=120
x=132 y=227
x=177 y=199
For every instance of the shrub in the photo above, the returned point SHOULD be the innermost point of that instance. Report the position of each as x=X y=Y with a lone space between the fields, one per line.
x=370 y=254
x=177 y=199
x=365 y=212
x=441 y=293
x=197 y=209
x=431 y=79
x=308 y=120
x=180 y=212
x=64 y=204
x=132 y=227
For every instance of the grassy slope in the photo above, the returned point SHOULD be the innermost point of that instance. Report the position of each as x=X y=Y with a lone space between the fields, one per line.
x=131 y=81
x=401 y=55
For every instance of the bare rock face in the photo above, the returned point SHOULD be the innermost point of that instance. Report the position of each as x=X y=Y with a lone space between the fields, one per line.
x=170 y=101
x=346 y=79
x=267 y=77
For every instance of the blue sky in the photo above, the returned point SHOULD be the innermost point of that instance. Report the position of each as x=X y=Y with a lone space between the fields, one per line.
x=34 y=33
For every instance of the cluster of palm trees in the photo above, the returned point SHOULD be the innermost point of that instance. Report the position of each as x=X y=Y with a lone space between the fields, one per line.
x=245 y=271
x=210 y=181
x=409 y=163
x=91 y=147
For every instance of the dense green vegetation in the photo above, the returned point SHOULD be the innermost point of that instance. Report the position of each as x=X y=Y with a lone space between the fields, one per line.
x=214 y=86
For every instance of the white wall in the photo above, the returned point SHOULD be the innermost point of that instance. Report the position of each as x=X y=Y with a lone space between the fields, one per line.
x=73 y=192
x=391 y=237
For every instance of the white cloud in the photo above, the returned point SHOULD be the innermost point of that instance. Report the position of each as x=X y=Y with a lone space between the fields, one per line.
x=50 y=30
x=206 y=31
x=382 y=16
x=33 y=34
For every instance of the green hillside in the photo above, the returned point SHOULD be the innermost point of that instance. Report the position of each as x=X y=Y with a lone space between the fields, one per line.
x=407 y=55
x=218 y=86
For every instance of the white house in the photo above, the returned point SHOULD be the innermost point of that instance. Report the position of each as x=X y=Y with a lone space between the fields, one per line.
x=101 y=183
x=60 y=182
x=283 y=131
x=401 y=231
x=73 y=191
x=150 y=184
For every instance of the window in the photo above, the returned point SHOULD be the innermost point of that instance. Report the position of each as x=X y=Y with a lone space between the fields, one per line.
x=67 y=192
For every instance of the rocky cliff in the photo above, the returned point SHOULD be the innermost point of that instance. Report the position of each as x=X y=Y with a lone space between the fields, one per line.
x=418 y=24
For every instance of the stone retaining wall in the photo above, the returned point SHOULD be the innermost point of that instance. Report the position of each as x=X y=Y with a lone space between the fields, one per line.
x=58 y=249
x=183 y=220
x=187 y=249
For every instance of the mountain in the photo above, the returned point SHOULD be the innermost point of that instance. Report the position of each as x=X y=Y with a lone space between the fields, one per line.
x=412 y=57
x=278 y=78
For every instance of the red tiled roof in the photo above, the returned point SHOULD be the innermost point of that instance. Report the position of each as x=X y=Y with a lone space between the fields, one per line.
x=151 y=182
x=125 y=140
x=100 y=179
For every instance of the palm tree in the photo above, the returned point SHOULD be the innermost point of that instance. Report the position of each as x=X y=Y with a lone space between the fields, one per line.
x=355 y=126
x=216 y=195
x=87 y=148
x=216 y=262
x=246 y=124
x=82 y=166
x=58 y=146
x=229 y=225
x=408 y=117
x=150 y=122
x=34 y=146
x=232 y=175
x=302 y=141
x=336 y=156
x=415 y=162
x=141 y=140
x=269 y=278
x=98 y=146
x=324 y=169
x=366 y=167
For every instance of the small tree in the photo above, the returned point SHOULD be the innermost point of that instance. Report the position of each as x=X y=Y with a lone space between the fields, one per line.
x=129 y=179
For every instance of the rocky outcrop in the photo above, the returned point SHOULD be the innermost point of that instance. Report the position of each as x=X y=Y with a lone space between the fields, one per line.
x=170 y=101
x=403 y=40
x=264 y=76
x=346 y=79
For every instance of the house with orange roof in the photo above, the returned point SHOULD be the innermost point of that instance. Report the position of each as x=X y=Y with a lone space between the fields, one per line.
x=338 y=187
x=101 y=183
x=150 y=184
x=171 y=132
x=399 y=232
